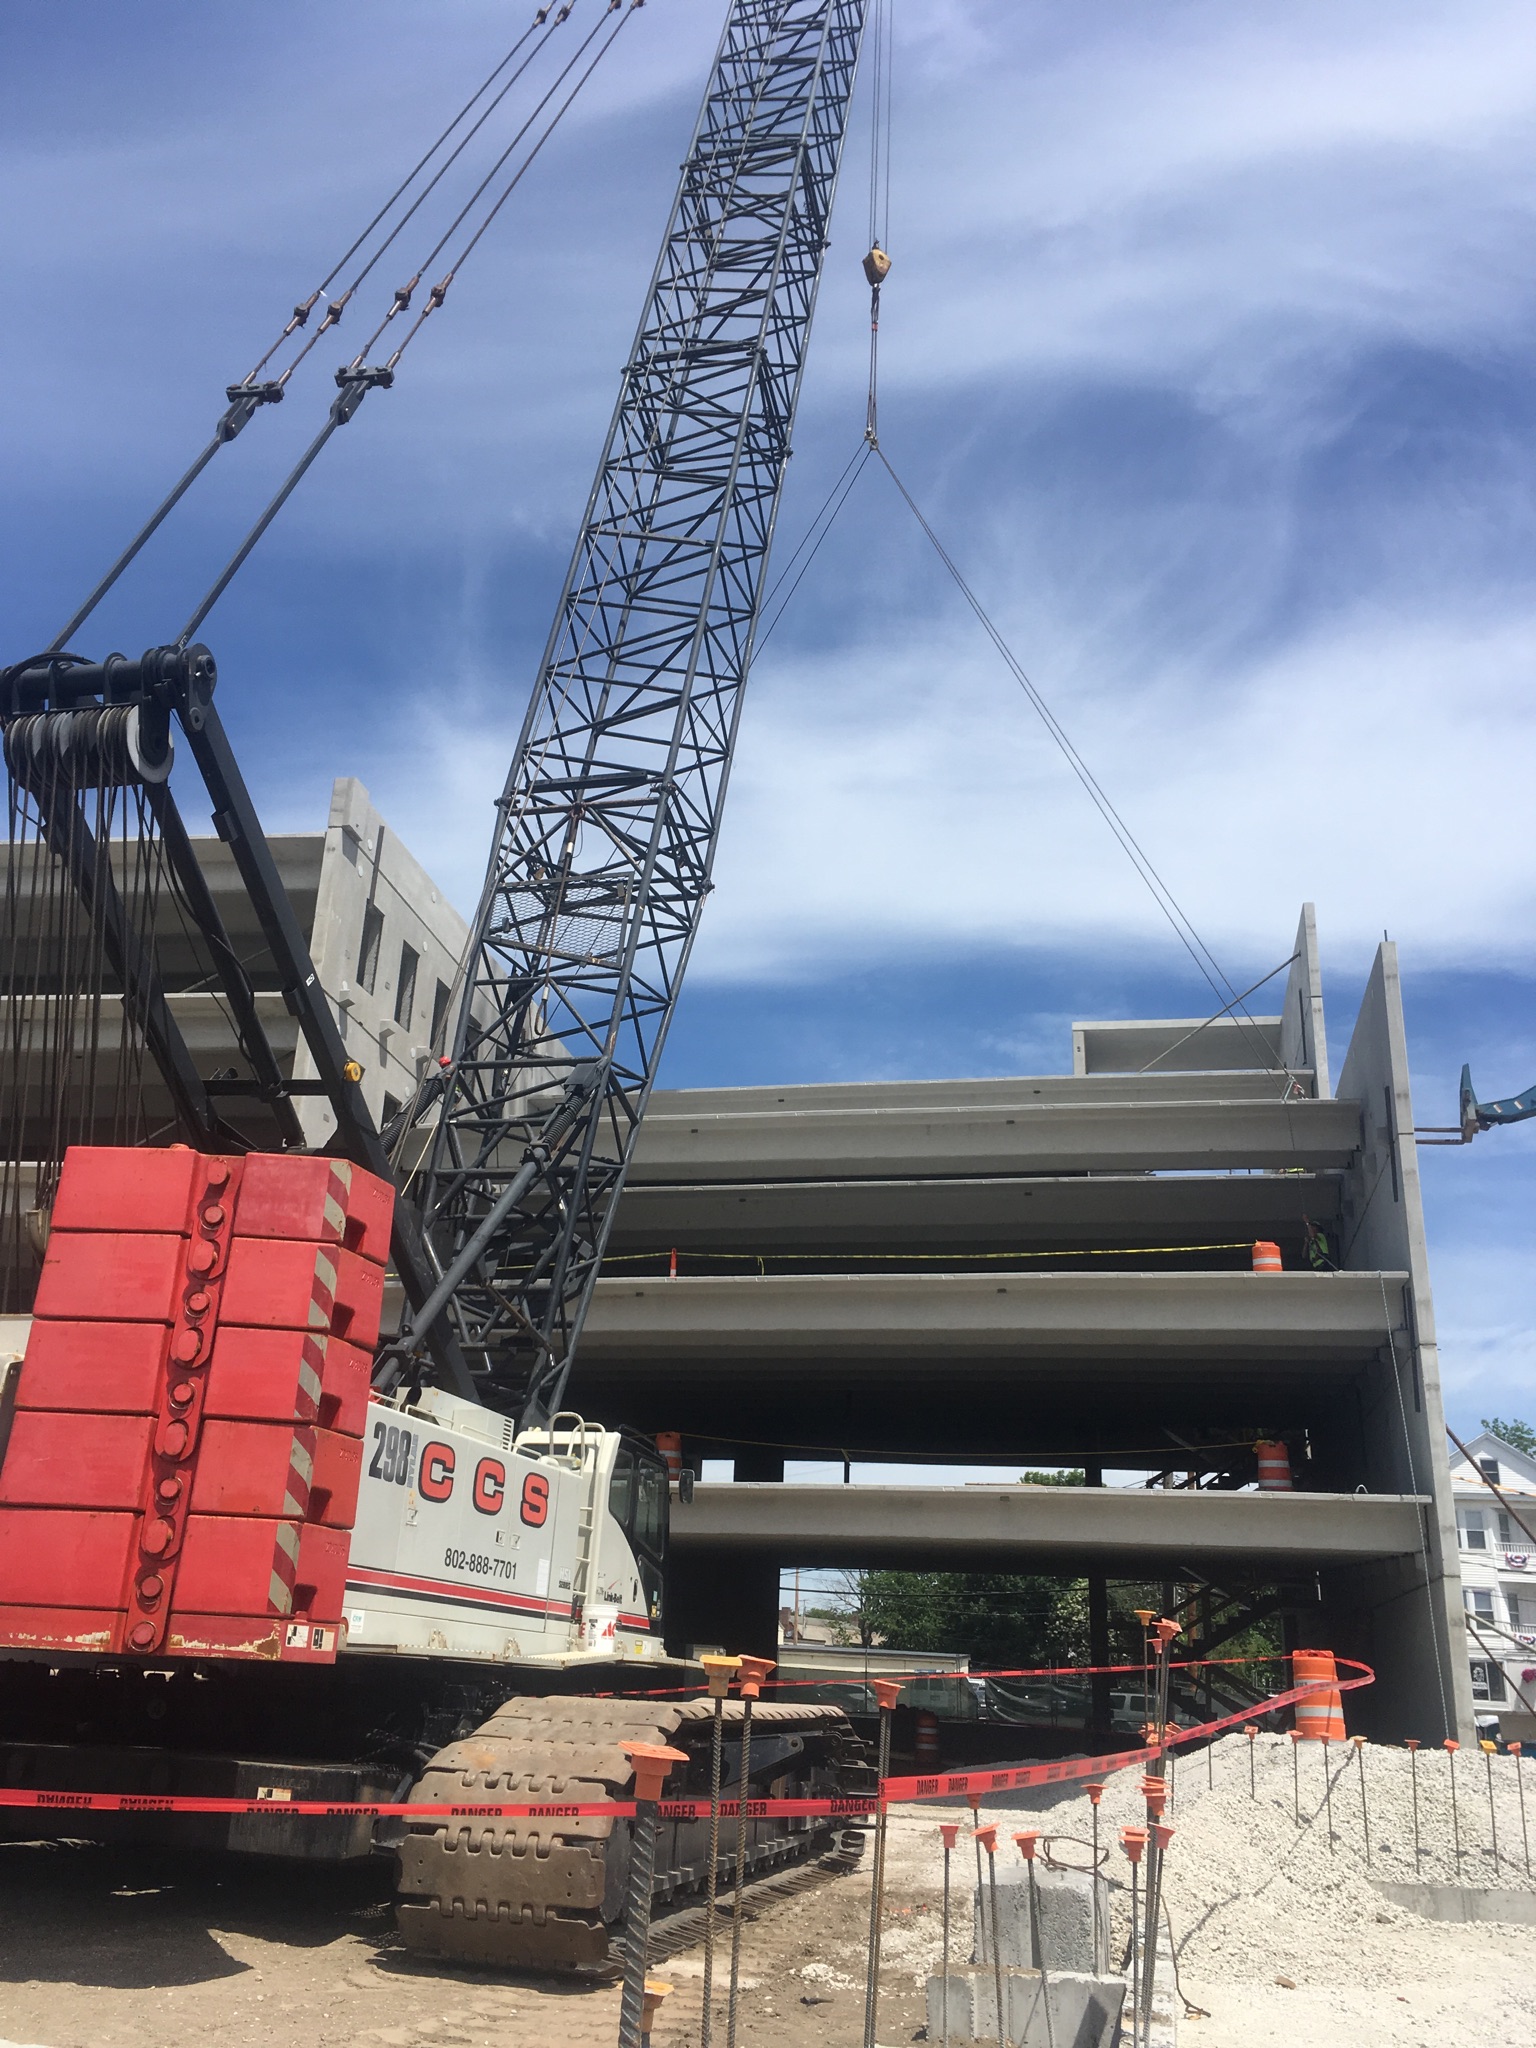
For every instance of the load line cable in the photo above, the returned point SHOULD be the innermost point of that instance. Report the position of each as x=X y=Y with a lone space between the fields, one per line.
x=1205 y=961
x=357 y=378
x=246 y=397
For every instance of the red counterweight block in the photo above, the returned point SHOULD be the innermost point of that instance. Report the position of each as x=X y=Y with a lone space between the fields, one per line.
x=184 y=1463
x=277 y=1284
x=316 y=1201
x=289 y=1376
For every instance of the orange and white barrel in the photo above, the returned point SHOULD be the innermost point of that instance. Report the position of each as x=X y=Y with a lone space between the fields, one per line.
x=925 y=1748
x=670 y=1444
x=1320 y=1716
x=1266 y=1257
x=1274 y=1467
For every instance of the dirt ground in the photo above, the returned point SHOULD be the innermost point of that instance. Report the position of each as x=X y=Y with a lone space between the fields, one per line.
x=1281 y=1938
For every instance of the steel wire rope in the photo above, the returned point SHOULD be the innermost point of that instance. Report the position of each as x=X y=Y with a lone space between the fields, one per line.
x=344 y=407
x=439 y=291
x=231 y=422
x=301 y=312
x=1204 y=961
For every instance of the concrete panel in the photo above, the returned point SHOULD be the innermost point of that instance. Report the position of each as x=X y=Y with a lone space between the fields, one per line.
x=1303 y=1034
x=1125 y=1532
x=1012 y=1138
x=976 y=1215
x=1410 y=1625
x=1150 y=1046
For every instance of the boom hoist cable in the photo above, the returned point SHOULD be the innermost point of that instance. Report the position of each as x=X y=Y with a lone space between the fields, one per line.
x=72 y=726
x=252 y=392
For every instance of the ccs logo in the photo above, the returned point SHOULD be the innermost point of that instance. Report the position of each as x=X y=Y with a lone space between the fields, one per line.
x=488 y=1490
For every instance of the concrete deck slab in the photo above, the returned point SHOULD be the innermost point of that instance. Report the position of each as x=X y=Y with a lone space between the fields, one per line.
x=1045 y=1528
x=975 y=1214
x=1062 y=1135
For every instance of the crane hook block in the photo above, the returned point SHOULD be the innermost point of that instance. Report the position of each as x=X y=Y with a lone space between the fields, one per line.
x=877 y=266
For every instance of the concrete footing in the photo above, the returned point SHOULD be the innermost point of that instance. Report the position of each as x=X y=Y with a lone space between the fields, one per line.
x=1461 y=1902
x=1063 y=2009
x=1054 y=1929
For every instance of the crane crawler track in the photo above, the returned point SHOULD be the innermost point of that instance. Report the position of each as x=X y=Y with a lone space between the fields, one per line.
x=543 y=1894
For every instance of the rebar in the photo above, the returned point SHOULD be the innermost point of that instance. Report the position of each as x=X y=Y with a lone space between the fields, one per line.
x=997 y=1946
x=637 y=1922
x=1135 y=1962
x=1253 y=1743
x=1365 y=1811
x=1100 y=1944
x=944 y=1982
x=1413 y=1780
x=1038 y=1946
x=1450 y=1757
x=712 y=1888
x=1296 y=1775
x=1525 y=1839
x=739 y=1874
x=877 y=1883
x=1328 y=1792
x=1493 y=1818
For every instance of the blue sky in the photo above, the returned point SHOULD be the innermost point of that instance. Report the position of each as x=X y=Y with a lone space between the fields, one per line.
x=1208 y=349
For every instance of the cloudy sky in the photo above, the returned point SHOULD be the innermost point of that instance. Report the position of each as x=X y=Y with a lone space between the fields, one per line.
x=1208 y=350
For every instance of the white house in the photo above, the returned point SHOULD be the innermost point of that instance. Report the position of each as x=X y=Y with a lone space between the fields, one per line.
x=1498 y=1579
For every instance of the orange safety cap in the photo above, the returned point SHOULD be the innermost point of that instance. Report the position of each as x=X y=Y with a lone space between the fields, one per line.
x=1514 y=1748
x=1162 y=1833
x=950 y=1830
x=987 y=1836
x=1411 y=1743
x=1251 y=1732
x=1027 y=1838
x=1167 y=1630
x=887 y=1692
x=1095 y=1789
x=1133 y=1841
x=753 y=1671
x=1451 y=1744
x=652 y=1762
x=720 y=1671
x=1144 y=1615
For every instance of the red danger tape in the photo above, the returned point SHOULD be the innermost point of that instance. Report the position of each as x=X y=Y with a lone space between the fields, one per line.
x=944 y=1785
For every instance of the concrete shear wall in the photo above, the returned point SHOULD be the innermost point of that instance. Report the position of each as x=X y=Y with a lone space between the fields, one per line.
x=1404 y=1616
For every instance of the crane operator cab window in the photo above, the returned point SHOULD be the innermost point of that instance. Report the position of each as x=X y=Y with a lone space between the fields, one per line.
x=638 y=1501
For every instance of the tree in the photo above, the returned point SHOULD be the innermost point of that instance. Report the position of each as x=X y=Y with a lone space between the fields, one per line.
x=1518 y=1435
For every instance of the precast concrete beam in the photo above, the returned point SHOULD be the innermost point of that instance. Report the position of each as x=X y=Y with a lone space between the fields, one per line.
x=1103 y=1211
x=986 y=1091
x=1081 y=1134
x=1126 y=1532
x=937 y=1320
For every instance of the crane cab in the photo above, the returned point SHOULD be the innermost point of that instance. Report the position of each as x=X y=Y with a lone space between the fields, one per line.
x=477 y=1540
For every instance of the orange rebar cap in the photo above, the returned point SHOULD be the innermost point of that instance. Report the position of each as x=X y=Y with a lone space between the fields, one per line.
x=1095 y=1789
x=750 y=1678
x=1027 y=1838
x=1251 y=1732
x=1514 y=1748
x=1155 y=1792
x=950 y=1830
x=652 y=1762
x=1144 y=1615
x=887 y=1692
x=987 y=1836
x=1451 y=1744
x=1166 y=1631
x=719 y=1671
x=1133 y=1841
x=1162 y=1833
x=1412 y=1742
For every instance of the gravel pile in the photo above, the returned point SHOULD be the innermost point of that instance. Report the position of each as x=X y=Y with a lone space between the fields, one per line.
x=1255 y=1897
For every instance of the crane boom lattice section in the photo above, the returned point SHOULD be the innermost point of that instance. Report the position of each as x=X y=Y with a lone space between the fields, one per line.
x=610 y=814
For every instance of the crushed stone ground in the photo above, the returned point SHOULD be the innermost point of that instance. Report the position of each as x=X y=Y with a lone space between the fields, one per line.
x=112 y=1949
